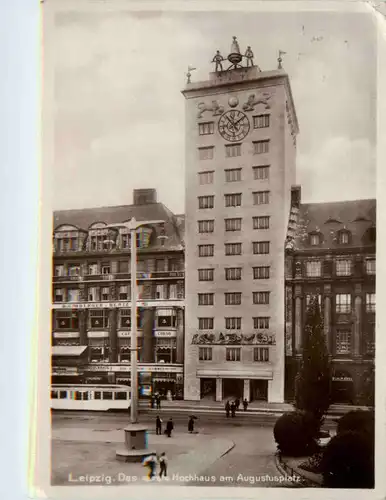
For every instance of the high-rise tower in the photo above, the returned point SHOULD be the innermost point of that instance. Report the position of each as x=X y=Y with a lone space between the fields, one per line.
x=241 y=132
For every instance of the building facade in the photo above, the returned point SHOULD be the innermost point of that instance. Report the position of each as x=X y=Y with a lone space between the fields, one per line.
x=330 y=252
x=241 y=132
x=91 y=316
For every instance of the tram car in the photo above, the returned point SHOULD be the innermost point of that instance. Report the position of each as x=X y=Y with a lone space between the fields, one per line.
x=85 y=397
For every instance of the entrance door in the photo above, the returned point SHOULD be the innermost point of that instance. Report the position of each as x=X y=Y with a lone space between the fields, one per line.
x=259 y=390
x=208 y=388
x=233 y=388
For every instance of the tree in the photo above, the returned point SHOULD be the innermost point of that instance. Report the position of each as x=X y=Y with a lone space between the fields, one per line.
x=313 y=381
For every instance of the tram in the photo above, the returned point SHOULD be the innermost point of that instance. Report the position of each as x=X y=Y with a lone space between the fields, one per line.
x=101 y=397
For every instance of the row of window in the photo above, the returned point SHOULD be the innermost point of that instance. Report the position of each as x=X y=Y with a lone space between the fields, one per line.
x=99 y=242
x=104 y=293
x=260 y=172
x=234 y=199
x=233 y=298
x=233 y=150
x=259 y=121
x=259 y=323
x=69 y=320
x=260 y=354
x=234 y=273
x=258 y=248
x=343 y=267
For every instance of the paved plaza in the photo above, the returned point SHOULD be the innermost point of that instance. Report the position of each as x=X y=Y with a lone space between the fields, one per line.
x=227 y=454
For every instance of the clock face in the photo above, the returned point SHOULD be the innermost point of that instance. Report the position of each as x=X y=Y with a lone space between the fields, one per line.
x=233 y=125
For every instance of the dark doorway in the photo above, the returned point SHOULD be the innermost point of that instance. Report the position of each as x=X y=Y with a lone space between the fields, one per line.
x=208 y=388
x=342 y=387
x=233 y=388
x=259 y=390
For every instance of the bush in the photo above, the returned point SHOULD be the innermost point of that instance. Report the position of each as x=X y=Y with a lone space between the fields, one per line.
x=348 y=461
x=295 y=434
x=313 y=464
x=357 y=421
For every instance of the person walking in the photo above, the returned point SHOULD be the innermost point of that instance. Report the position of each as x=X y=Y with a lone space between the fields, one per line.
x=245 y=404
x=151 y=463
x=163 y=463
x=233 y=409
x=158 y=425
x=237 y=403
x=158 y=399
x=227 y=409
x=191 y=425
x=169 y=427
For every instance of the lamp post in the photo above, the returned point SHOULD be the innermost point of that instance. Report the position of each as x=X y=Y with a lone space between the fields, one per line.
x=135 y=434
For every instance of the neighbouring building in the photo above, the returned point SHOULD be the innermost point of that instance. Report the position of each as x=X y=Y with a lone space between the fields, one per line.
x=91 y=296
x=330 y=252
x=241 y=130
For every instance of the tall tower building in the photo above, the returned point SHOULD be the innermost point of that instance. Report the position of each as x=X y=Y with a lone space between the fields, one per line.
x=241 y=132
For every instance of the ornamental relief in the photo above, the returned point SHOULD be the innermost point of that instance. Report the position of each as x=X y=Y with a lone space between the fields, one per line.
x=253 y=101
x=234 y=338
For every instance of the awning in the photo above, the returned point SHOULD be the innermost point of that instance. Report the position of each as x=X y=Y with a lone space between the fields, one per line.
x=68 y=350
x=162 y=379
x=165 y=312
x=260 y=373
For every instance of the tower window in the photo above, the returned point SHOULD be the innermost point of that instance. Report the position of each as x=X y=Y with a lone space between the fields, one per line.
x=206 y=128
x=206 y=177
x=261 y=121
x=206 y=153
x=232 y=150
x=260 y=147
x=261 y=172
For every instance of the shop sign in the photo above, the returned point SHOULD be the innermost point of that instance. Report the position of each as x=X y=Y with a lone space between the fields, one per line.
x=124 y=304
x=141 y=369
x=160 y=333
x=66 y=335
x=342 y=379
x=65 y=370
x=97 y=335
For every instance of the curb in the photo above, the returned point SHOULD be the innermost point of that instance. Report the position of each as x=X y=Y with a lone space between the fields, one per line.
x=285 y=470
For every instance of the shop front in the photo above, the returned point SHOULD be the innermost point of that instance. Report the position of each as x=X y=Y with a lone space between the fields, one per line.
x=68 y=362
x=99 y=346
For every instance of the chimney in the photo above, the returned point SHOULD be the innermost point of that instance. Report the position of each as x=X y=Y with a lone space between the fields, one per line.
x=144 y=196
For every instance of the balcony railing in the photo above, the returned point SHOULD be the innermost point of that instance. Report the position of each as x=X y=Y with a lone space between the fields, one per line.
x=141 y=276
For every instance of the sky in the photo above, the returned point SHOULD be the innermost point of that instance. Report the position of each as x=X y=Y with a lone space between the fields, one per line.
x=119 y=113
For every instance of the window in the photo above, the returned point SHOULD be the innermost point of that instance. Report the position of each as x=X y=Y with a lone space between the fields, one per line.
x=206 y=177
x=232 y=174
x=233 y=224
x=92 y=294
x=314 y=239
x=206 y=128
x=73 y=295
x=233 y=200
x=261 y=172
x=205 y=323
x=166 y=318
x=260 y=247
x=233 y=353
x=343 y=342
x=370 y=266
x=233 y=299
x=205 y=226
x=261 y=354
x=97 y=243
x=260 y=147
x=59 y=270
x=123 y=293
x=343 y=303
x=205 y=274
x=370 y=302
x=261 y=297
x=165 y=350
x=261 y=323
x=99 y=318
x=66 y=320
x=105 y=293
x=58 y=295
x=233 y=273
x=74 y=270
x=93 y=269
x=173 y=293
x=232 y=248
x=206 y=153
x=232 y=150
x=160 y=291
x=344 y=237
x=205 y=354
x=261 y=198
x=261 y=272
x=309 y=297
x=314 y=268
x=205 y=299
x=261 y=222
x=261 y=121
x=233 y=323
x=106 y=268
x=206 y=201
x=343 y=267
x=205 y=250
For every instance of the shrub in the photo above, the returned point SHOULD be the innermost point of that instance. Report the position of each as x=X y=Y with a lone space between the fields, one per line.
x=348 y=461
x=357 y=421
x=313 y=464
x=295 y=434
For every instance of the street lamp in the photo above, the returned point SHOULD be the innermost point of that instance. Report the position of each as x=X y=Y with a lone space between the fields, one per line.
x=135 y=434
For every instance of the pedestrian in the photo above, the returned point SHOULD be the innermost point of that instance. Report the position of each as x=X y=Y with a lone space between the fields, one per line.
x=191 y=425
x=233 y=409
x=163 y=463
x=227 y=408
x=158 y=399
x=245 y=404
x=169 y=427
x=158 y=425
x=151 y=463
x=152 y=402
x=237 y=403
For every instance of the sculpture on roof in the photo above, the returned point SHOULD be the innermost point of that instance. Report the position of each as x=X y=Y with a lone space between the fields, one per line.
x=218 y=58
x=235 y=57
x=249 y=56
x=280 y=59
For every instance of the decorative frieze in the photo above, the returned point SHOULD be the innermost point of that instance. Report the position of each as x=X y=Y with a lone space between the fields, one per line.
x=234 y=338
